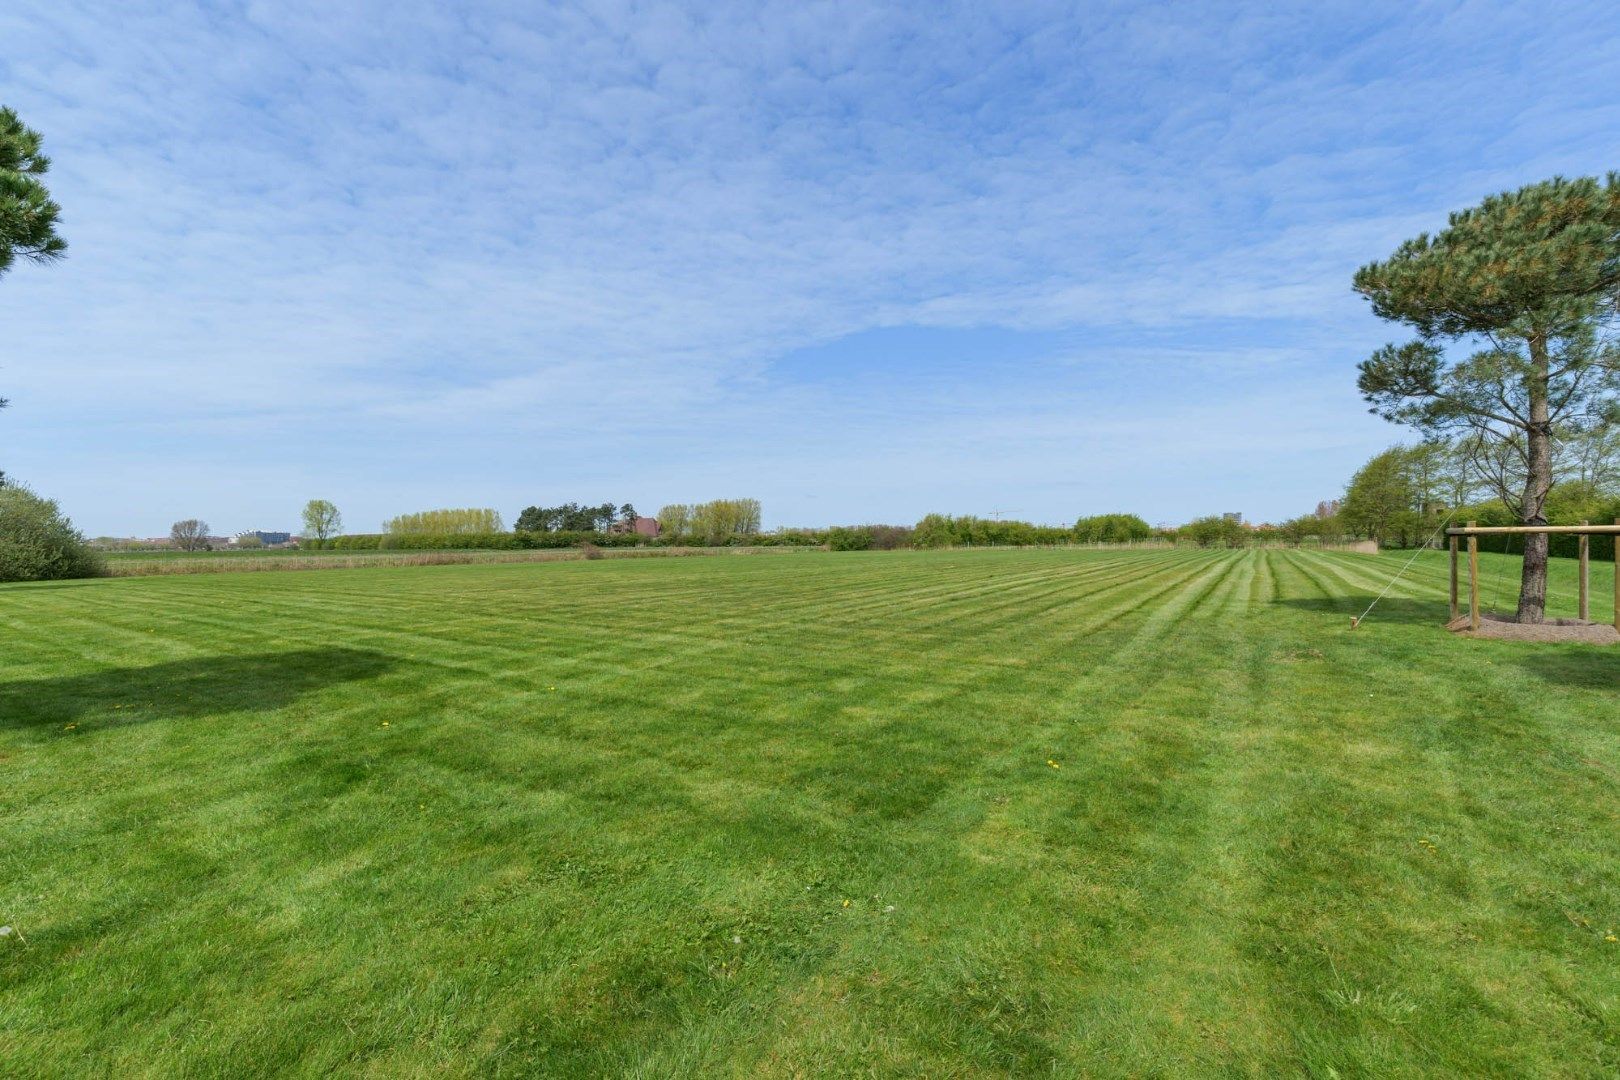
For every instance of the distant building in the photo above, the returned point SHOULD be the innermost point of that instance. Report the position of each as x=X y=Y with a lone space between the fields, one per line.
x=644 y=526
x=1235 y=517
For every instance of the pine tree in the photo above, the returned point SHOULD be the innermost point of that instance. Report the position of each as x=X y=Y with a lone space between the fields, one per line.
x=1528 y=280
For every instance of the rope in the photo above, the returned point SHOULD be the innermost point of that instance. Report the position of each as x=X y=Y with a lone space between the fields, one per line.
x=1421 y=549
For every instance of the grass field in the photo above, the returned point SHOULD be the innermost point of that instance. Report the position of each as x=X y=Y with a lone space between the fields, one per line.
x=918 y=814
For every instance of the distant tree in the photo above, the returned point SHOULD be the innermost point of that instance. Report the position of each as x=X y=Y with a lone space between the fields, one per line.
x=1216 y=530
x=627 y=514
x=675 y=521
x=572 y=517
x=536 y=519
x=37 y=543
x=189 y=535
x=445 y=523
x=1296 y=531
x=1381 y=500
x=1592 y=457
x=1534 y=276
x=321 y=519
x=719 y=520
x=249 y=542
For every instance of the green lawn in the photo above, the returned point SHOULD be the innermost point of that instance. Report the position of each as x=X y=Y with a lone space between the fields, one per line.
x=937 y=814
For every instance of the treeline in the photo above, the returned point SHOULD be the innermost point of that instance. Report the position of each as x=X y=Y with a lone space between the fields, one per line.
x=572 y=517
x=475 y=541
x=445 y=523
x=1403 y=495
x=944 y=530
x=710 y=523
x=736 y=522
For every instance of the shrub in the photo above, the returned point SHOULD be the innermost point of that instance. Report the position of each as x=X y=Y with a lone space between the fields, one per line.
x=867 y=537
x=849 y=538
x=890 y=537
x=38 y=544
x=1214 y=531
x=1112 y=529
x=591 y=551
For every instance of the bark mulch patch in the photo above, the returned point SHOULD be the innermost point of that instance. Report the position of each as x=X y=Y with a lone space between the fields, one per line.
x=1504 y=628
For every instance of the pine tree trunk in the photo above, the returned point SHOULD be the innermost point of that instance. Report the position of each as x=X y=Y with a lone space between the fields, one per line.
x=1538 y=481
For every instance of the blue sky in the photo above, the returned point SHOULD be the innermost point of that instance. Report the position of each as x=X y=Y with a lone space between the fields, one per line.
x=861 y=262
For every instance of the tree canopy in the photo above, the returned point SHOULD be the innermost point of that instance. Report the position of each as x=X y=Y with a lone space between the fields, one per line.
x=322 y=520
x=189 y=535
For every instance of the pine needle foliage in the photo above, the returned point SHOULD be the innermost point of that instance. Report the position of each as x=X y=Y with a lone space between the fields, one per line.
x=28 y=214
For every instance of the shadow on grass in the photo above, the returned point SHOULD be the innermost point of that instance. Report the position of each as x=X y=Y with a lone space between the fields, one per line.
x=184 y=688
x=1388 y=610
x=18 y=587
x=1588 y=667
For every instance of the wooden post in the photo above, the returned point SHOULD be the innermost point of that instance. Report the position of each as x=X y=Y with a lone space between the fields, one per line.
x=1617 y=579
x=1473 y=580
x=1453 y=579
x=1586 y=577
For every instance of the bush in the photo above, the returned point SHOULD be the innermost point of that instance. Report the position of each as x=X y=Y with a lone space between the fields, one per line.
x=789 y=538
x=38 y=544
x=867 y=537
x=849 y=538
x=591 y=551
x=1214 y=531
x=1112 y=529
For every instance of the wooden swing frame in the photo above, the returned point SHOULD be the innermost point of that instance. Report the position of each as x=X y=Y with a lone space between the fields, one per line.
x=1585 y=531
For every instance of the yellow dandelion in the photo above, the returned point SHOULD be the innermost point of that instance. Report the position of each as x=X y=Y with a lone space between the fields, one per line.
x=846 y=903
x=1052 y=763
x=385 y=723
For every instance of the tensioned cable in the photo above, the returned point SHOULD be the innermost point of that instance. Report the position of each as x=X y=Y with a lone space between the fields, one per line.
x=1421 y=549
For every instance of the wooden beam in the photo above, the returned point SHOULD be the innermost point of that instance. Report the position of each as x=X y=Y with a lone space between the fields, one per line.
x=1585 y=576
x=1503 y=530
x=1617 y=578
x=1473 y=580
x=1453 y=579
